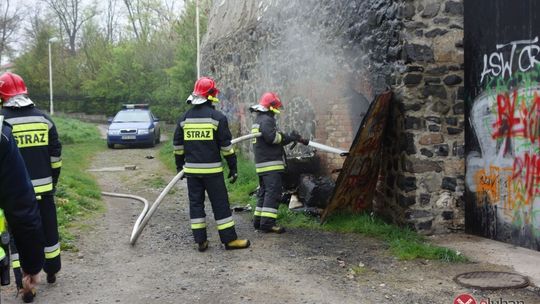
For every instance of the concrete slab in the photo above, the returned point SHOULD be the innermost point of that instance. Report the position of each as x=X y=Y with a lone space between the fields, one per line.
x=523 y=261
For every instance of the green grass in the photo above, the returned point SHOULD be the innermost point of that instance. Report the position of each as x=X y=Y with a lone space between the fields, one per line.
x=155 y=182
x=404 y=243
x=78 y=194
x=166 y=155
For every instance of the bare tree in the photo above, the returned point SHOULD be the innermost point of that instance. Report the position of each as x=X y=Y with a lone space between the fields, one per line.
x=10 y=19
x=149 y=16
x=111 y=20
x=132 y=9
x=72 y=15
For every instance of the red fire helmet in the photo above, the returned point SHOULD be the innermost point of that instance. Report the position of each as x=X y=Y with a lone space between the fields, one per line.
x=11 y=85
x=270 y=100
x=204 y=87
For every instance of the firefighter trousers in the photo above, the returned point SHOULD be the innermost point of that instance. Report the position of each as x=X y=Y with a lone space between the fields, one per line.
x=268 y=198
x=49 y=221
x=214 y=185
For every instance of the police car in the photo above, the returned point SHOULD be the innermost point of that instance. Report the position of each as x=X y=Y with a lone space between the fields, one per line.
x=135 y=124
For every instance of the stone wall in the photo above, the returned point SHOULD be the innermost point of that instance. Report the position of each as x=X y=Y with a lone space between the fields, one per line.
x=424 y=173
x=328 y=59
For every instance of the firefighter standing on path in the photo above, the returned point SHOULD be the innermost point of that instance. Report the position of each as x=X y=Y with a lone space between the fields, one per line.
x=200 y=136
x=269 y=161
x=18 y=203
x=37 y=139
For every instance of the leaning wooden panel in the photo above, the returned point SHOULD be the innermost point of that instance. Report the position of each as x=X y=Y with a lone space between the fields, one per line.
x=357 y=180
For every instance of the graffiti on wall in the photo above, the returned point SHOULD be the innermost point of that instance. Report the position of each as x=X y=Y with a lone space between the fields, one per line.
x=358 y=178
x=507 y=170
x=504 y=172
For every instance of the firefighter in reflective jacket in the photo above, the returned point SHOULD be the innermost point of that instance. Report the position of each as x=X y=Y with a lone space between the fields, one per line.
x=269 y=161
x=18 y=203
x=200 y=136
x=37 y=139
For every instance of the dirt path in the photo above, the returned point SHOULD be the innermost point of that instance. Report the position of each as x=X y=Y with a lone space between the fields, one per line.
x=296 y=267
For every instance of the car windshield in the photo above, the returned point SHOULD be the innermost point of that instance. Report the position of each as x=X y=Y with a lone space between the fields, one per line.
x=132 y=116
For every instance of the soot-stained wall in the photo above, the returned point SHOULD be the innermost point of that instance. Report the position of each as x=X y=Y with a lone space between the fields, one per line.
x=326 y=60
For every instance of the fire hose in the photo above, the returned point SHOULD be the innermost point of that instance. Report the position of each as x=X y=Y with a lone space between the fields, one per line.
x=138 y=227
x=146 y=214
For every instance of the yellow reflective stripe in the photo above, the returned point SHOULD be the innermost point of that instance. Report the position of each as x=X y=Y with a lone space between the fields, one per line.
x=16 y=264
x=257 y=213
x=38 y=126
x=226 y=225
x=179 y=152
x=56 y=165
x=3 y=226
x=254 y=130
x=44 y=188
x=269 y=214
x=203 y=170
x=198 y=225
x=270 y=168
x=33 y=134
x=2 y=253
x=227 y=153
x=52 y=254
x=200 y=126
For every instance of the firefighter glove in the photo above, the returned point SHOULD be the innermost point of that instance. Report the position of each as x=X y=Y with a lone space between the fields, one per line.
x=233 y=175
x=298 y=138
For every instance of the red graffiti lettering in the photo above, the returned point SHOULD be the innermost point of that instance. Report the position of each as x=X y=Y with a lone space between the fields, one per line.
x=504 y=126
x=525 y=123
x=527 y=168
x=531 y=119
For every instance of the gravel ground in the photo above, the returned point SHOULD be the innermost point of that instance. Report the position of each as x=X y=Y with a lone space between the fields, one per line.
x=299 y=266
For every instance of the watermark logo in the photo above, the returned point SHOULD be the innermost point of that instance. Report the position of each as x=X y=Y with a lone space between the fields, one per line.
x=468 y=299
x=500 y=301
x=464 y=299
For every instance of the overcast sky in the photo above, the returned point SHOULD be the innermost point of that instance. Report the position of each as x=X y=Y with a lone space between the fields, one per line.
x=30 y=7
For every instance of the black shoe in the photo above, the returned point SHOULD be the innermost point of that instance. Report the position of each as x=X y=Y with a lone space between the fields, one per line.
x=203 y=246
x=51 y=278
x=28 y=297
x=274 y=229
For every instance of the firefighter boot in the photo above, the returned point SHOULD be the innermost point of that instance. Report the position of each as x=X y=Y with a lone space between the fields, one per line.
x=203 y=246
x=275 y=229
x=17 y=273
x=51 y=278
x=237 y=244
x=29 y=295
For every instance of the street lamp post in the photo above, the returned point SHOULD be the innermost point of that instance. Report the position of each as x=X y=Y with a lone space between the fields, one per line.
x=198 y=40
x=54 y=39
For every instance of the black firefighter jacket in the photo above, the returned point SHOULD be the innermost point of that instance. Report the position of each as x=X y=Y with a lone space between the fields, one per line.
x=18 y=201
x=268 y=148
x=202 y=135
x=37 y=139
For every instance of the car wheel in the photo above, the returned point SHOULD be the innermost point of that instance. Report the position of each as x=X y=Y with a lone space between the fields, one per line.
x=110 y=146
x=158 y=138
